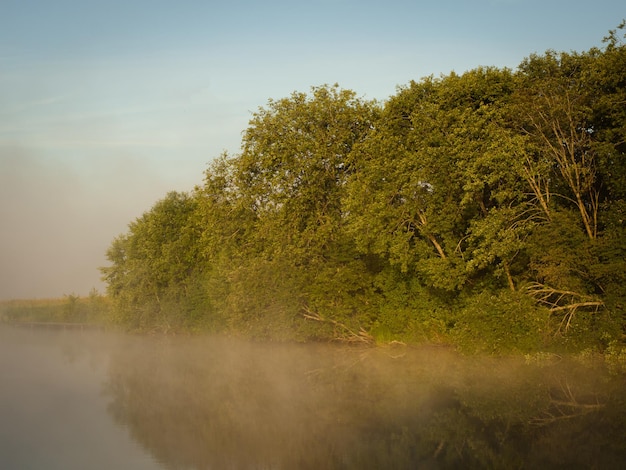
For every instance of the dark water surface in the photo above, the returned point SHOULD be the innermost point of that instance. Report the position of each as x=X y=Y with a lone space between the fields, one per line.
x=90 y=400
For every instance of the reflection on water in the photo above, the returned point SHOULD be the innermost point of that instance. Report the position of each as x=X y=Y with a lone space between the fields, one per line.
x=218 y=403
x=227 y=404
x=53 y=414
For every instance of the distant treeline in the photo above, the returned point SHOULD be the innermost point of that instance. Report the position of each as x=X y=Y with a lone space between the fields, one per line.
x=70 y=309
x=486 y=209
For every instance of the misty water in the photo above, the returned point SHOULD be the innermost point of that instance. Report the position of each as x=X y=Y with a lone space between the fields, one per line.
x=87 y=399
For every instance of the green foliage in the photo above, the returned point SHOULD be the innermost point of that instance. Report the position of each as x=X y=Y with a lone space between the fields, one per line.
x=408 y=311
x=485 y=209
x=501 y=321
x=155 y=267
x=71 y=309
x=615 y=357
x=446 y=199
x=293 y=170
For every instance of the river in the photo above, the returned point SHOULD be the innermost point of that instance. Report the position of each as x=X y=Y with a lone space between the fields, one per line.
x=97 y=400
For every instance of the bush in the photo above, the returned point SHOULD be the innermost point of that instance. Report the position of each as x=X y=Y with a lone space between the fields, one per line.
x=503 y=321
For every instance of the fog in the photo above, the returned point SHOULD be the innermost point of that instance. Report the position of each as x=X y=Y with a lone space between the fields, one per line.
x=52 y=413
x=57 y=218
x=208 y=402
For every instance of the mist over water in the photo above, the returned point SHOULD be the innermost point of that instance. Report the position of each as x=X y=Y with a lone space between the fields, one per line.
x=97 y=400
x=52 y=411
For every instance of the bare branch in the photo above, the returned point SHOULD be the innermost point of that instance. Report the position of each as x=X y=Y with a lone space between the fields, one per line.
x=564 y=301
x=565 y=406
x=361 y=336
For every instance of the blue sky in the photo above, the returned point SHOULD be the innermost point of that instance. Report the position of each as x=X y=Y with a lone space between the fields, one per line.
x=106 y=106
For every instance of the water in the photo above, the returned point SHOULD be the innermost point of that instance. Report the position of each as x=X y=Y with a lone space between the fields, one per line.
x=53 y=414
x=75 y=400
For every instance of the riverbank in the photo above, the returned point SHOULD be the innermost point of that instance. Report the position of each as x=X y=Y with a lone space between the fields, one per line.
x=95 y=312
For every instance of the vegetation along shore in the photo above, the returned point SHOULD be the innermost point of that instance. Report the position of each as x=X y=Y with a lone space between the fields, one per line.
x=484 y=210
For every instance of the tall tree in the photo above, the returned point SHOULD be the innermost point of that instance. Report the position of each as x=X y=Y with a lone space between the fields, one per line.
x=294 y=166
x=555 y=104
x=570 y=110
x=152 y=265
x=437 y=162
x=291 y=176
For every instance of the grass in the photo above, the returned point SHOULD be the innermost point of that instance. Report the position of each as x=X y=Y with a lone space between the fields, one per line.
x=68 y=309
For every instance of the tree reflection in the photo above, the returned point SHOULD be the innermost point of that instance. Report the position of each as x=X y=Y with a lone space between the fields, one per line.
x=221 y=403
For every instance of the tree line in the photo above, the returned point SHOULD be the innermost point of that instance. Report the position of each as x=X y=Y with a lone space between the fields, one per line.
x=485 y=209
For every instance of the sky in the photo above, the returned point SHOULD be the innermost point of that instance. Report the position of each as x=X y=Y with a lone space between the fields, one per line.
x=105 y=106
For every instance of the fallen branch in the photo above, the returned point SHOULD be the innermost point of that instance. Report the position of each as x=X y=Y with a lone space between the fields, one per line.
x=558 y=300
x=361 y=336
x=567 y=406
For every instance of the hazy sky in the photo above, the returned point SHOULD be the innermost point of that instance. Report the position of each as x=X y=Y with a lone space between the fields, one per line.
x=105 y=106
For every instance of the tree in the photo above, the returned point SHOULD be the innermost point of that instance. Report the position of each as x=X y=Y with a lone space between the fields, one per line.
x=570 y=111
x=428 y=216
x=153 y=264
x=293 y=167
x=291 y=178
x=434 y=175
x=555 y=105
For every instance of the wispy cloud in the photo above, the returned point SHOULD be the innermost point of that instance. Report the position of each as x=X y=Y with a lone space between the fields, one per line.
x=32 y=104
